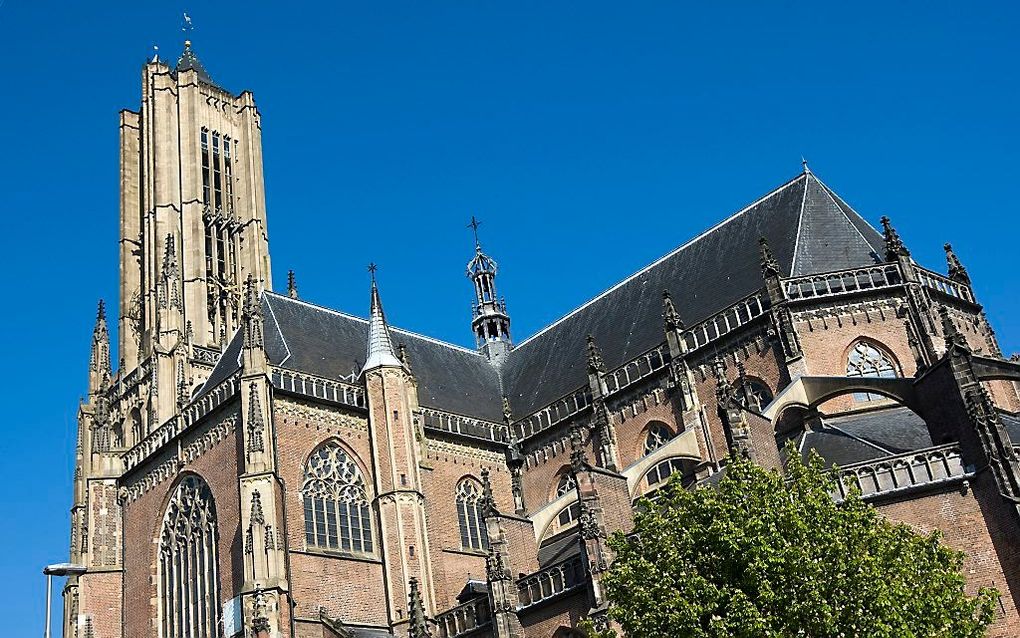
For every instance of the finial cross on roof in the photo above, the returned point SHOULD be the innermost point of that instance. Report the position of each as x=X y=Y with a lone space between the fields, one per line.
x=474 y=227
x=186 y=25
x=371 y=270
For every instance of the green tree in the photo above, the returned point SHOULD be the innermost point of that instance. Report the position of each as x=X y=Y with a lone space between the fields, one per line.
x=767 y=555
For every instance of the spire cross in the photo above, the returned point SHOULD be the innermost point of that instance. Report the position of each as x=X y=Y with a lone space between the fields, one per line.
x=474 y=227
x=371 y=270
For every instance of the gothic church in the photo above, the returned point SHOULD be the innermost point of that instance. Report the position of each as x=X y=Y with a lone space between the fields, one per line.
x=261 y=466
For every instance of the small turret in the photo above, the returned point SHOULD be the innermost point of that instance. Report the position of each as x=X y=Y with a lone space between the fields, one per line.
x=489 y=319
x=380 y=346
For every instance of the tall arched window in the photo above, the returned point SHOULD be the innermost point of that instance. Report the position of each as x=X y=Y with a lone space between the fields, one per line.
x=867 y=360
x=336 y=503
x=657 y=436
x=188 y=570
x=469 y=513
x=567 y=484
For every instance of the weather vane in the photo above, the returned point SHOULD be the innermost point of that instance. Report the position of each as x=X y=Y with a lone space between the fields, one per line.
x=187 y=28
x=474 y=227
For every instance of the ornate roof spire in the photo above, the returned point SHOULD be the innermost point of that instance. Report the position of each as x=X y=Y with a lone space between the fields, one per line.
x=894 y=247
x=769 y=265
x=188 y=60
x=251 y=315
x=380 y=347
x=99 y=360
x=596 y=365
x=956 y=270
x=418 y=622
x=291 y=285
x=489 y=319
x=670 y=314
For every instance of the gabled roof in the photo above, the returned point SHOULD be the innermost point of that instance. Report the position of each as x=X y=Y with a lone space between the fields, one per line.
x=307 y=338
x=809 y=228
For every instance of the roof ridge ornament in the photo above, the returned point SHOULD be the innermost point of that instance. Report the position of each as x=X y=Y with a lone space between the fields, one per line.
x=669 y=313
x=804 y=166
x=596 y=364
x=291 y=285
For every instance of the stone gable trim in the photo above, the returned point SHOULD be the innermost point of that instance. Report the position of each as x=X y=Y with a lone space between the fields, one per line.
x=301 y=409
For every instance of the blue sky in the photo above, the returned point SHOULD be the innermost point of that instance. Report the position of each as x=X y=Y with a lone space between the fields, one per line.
x=590 y=138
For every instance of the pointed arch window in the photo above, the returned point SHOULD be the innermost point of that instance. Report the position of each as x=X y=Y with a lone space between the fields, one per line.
x=337 y=513
x=658 y=435
x=868 y=360
x=473 y=534
x=188 y=569
x=565 y=485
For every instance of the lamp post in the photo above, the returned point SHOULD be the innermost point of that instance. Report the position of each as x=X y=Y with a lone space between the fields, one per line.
x=60 y=569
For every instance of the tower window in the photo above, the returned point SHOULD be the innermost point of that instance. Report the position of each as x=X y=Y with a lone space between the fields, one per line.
x=867 y=360
x=336 y=503
x=205 y=166
x=188 y=567
x=469 y=514
x=217 y=177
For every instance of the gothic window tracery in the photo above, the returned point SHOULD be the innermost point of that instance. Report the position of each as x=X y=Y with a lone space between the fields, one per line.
x=336 y=506
x=758 y=394
x=663 y=470
x=869 y=360
x=473 y=534
x=657 y=436
x=188 y=568
x=566 y=484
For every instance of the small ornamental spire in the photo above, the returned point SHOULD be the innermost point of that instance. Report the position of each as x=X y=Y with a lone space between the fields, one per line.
x=956 y=270
x=256 y=425
x=578 y=456
x=596 y=365
x=894 y=247
x=489 y=319
x=405 y=359
x=804 y=166
x=670 y=314
x=769 y=265
x=99 y=358
x=380 y=347
x=251 y=315
x=291 y=285
x=950 y=332
x=170 y=294
x=723 y=388
x=488 y=501
x=418 y=623
x=260 y=611
x=508 y=414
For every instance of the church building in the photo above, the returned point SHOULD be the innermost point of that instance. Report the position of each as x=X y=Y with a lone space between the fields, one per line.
x=259 y=465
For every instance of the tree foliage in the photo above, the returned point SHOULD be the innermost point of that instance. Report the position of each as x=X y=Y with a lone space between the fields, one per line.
x=767 y=555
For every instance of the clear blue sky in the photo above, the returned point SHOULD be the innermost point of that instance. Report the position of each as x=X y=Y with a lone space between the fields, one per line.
x=590 y=138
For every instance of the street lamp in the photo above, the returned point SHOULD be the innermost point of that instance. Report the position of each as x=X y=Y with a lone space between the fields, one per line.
x=60 y=569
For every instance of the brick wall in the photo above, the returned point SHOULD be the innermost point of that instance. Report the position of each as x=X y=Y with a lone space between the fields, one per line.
x=99 y=603
x=143 y=521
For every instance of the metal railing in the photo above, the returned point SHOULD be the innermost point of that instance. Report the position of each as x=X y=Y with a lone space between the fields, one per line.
x=843 y=282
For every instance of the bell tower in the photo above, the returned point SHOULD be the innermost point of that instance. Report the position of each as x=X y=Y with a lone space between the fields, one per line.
x=190 y=178
x=489 y=319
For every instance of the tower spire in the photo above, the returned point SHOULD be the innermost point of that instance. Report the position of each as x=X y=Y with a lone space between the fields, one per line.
x=99 y=361
x=489 y=319
x=894 y=247
x=380 y=347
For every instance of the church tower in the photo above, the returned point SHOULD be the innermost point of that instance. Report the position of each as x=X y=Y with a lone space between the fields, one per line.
x=489 y=319
x=192 y=208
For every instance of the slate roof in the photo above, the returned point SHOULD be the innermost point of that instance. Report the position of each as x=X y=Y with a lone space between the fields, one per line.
x=307 y=338
x=1012 y=424
x=865 y=436
x=809 y=228
x=189 y=61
